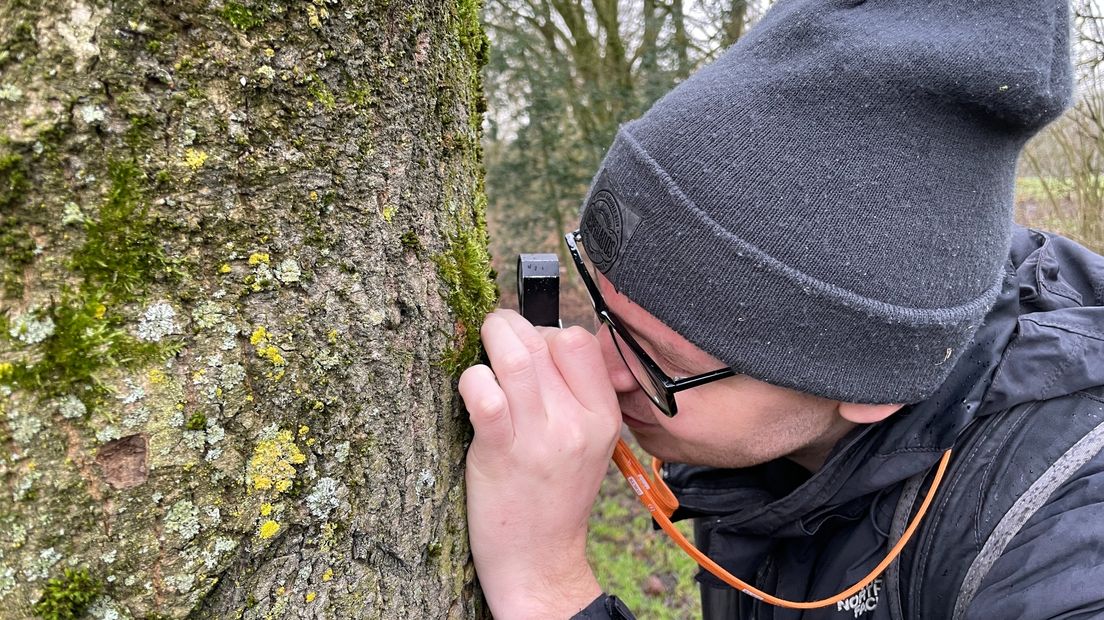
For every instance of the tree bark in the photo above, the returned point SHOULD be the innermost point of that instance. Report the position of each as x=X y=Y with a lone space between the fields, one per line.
x=243 y=254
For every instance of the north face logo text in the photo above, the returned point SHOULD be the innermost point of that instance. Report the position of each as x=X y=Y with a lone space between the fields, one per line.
x=863 y=601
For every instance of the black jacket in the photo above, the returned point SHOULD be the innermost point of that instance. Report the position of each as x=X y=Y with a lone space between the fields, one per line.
x=1036 y=364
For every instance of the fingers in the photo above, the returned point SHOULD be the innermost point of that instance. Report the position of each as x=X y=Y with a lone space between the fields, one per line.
x=543 y=369
x=535 y=341
x=534 y=338
x=487 y=406
x=578 y=357
x=512 y=362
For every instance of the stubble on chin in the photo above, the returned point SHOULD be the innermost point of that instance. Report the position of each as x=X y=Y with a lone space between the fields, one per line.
x=661 y=445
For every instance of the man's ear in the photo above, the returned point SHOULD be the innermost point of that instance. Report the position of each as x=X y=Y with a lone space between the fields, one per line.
x=866 y=414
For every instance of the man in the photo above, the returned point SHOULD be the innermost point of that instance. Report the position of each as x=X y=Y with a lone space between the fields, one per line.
x=817 y=229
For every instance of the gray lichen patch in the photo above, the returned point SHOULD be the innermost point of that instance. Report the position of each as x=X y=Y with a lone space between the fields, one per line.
x=24 y=425
x=288 y=271
x=71 y=407
x=38 y=566
x=10 y=93
x=183 y=520
x=158 y=321
x=32 y=327
x=324 y=497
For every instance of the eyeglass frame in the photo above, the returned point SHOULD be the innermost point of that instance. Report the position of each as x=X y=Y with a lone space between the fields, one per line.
x=669 y=385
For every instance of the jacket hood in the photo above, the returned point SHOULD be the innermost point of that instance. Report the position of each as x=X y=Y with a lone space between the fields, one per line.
x=1044 y=338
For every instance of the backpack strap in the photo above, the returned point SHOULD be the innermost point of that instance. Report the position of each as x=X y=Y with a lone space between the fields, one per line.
x=897 y=529
x=990 y=492
x=1027 y=505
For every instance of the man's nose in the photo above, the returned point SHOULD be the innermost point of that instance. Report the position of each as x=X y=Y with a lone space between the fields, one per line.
x=620 y=375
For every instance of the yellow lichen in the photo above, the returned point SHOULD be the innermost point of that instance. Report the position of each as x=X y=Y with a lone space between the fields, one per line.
x=314 y=196
x=311 y=596
x=329 y=537
x=6 y=370
x=303 y=430
x=332 y=336
x=266 y=509
x=313 y=18
x=268 y=529
x=328 y=575
x=260 y=339
x=257 y=258
x=269 y=52
x=272 y=465
x=271 y=354
x=157 y=376
x=224 y=268
x=194 y=158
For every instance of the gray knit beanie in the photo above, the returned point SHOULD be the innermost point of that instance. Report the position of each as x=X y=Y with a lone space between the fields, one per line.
x=828 y=205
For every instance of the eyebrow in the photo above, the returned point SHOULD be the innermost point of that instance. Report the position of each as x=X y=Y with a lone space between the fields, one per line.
x=661 y=347
x=669 y=352
x=664 y=349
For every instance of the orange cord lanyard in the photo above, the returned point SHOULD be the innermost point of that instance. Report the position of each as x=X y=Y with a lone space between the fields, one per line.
x=661 y=503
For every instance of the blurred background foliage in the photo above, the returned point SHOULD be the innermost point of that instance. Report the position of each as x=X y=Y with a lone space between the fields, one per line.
x=563 y=74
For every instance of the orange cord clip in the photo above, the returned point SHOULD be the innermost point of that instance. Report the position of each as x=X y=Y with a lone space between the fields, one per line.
x=661 y=503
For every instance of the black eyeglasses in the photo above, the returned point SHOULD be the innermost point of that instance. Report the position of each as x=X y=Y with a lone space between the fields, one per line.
x=659 y=387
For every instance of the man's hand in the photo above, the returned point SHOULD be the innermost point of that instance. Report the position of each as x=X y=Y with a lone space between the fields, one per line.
x=546 y=420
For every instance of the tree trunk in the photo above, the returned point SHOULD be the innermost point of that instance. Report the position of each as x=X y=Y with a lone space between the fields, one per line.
x=243 y=254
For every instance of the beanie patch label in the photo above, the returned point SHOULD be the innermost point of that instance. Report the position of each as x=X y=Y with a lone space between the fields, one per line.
x=607 y=225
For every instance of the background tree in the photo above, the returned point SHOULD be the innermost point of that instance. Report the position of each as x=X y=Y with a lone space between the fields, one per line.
x=242 y=252
x=1062 y=184
x=564 y=74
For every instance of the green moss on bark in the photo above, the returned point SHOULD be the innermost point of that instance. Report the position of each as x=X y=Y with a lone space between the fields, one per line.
x=16 y=245
x=240 y=16
x=465 y=267
x=121 y=251
x=13 y=181
x=197 y=422
x=119 y=257
x=68 y=597
x=472 y=36
x=85 y=339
